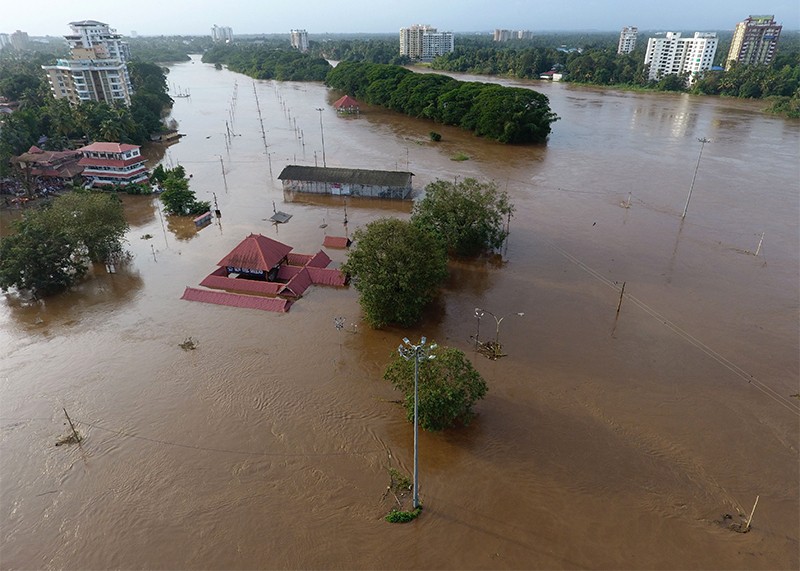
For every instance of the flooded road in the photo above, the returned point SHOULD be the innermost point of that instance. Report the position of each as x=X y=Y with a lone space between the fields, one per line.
x=598 y=445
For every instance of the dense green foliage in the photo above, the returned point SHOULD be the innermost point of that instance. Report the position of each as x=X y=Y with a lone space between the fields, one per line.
x=397 y=269
x=507 y=114
x=49 y=250
x=371 y=50
x=448 y=387
x=41 y=115
x=177 y=197
x=594 y=61
x=400 y=516
x=264 y=62
x=167 y=49
x=468 y=216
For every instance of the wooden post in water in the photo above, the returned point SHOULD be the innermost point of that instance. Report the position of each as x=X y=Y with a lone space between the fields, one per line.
x=78 y=438
x=760 y=241
x=621 y=293
x=747 y=525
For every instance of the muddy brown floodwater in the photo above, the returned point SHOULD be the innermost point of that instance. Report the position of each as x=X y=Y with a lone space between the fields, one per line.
x=268 y=445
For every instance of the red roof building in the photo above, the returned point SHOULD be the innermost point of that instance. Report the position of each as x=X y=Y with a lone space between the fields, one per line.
x=259 y=267
x=50 y=164
x=346 y=104
x=112 y=164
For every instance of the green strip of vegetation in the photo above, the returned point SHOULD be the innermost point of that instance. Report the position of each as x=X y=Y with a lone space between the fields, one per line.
x=507 y=114
x=266 y=62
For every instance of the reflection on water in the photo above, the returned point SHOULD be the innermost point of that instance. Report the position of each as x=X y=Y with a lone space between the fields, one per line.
x=267 y=446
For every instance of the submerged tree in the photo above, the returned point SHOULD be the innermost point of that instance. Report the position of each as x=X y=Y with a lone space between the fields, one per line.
x=468 y=216
x=177 y=197
x=397 y=268
x=51 y=247
x=448 y=387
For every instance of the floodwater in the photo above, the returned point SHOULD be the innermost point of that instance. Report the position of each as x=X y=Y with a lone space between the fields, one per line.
x=601 y=444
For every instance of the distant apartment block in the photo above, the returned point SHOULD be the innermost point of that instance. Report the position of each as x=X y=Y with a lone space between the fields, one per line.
x=19 y=40
x=754 y=42
x=5 y=40
x=96 y=69
x=425 y=42
x=221 y=34
x=627 y=39
x=299 y=40
x=507 y=35
x=673 y=54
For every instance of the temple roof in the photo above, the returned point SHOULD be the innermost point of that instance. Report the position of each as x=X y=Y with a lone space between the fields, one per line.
x=256 y=252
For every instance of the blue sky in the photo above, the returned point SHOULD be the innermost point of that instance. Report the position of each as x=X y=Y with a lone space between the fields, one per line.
x=195 y=17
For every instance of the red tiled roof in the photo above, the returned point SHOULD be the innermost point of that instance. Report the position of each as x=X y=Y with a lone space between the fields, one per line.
x=256 y=252
x=236 y=300
x=320 y=260
x=298 y=259
x=336 y=242
x=298 y=284
x=251 y=286
x=345 y=102
x=108 y=148
x=325 y=276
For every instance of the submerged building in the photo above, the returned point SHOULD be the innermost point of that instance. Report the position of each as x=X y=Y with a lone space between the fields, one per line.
x=112 y=164
x=347 y=182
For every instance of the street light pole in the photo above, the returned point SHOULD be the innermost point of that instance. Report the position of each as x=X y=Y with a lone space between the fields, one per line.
x=498 y=320
x=703 y=142
x=322 y=134
x=416 y=352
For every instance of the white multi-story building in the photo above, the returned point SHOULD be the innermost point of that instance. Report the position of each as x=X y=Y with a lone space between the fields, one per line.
x=5 y=40
x=673 y=54
x=627 y=39
x=299 y=40
x=425 y=42
x=221 y=34
x=112 y=164
x=96 y=70
x=506 y=35
x=755 y=41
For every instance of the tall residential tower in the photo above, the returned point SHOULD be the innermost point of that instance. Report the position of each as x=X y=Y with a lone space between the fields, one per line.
x=673 y=54
x=96 y=69
x=754 y=42
x=627 y=39
x=424 y=42
x=299 y=40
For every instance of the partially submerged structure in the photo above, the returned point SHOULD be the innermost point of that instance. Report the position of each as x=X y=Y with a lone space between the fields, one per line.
x=262 y=273
x=346 y=105
x=112 y=164
x=347 y=182
x=61 y=165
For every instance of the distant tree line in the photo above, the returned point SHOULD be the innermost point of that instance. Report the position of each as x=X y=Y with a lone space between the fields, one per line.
x=167 y=49
x=264 y=61
x=57 y=123
x=596 y=62
x=507 y=114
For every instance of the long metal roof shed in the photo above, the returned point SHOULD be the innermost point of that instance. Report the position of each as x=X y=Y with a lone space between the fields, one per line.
x=345 y=176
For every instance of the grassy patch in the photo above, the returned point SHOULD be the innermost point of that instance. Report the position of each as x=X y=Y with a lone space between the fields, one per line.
x=459 y=157
x=399 y=516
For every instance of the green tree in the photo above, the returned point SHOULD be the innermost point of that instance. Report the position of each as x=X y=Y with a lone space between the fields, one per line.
x=468 y=216
x=448 y=387
x=397 y=268
x=49 y=250
x=177 y=197
x=95 y=220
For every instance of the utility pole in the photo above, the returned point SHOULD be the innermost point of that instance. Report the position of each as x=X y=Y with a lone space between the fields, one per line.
x=322 y=134
x=703 y=142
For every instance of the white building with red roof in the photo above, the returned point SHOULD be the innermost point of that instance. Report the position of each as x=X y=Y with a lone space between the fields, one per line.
x=112 y=164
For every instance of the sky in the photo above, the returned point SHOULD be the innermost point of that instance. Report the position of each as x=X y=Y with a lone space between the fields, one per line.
x=195 y=17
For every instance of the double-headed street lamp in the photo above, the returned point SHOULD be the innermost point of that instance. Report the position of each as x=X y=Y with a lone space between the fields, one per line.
x=479 y=313
x=416 y=352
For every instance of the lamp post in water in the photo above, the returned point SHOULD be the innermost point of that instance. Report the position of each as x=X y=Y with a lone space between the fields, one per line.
x=322 y=134
x=417 y=352
x=703 y=142
x=498 y=320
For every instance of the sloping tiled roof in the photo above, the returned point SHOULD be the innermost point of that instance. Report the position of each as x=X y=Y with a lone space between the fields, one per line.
x=346 y=176
x=336 y=242
x=345 y=102
x=256 y=252
x=236 y=300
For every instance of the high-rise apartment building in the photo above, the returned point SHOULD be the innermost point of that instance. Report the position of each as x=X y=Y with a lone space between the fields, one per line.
x=5 y=40
x=221 y=34
x=20 y=40
x=96 y=69
x=673 y=54
x=506 y=35
x=425 y=42
x=299 y=40
x=754 y=42
x=627 y=39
